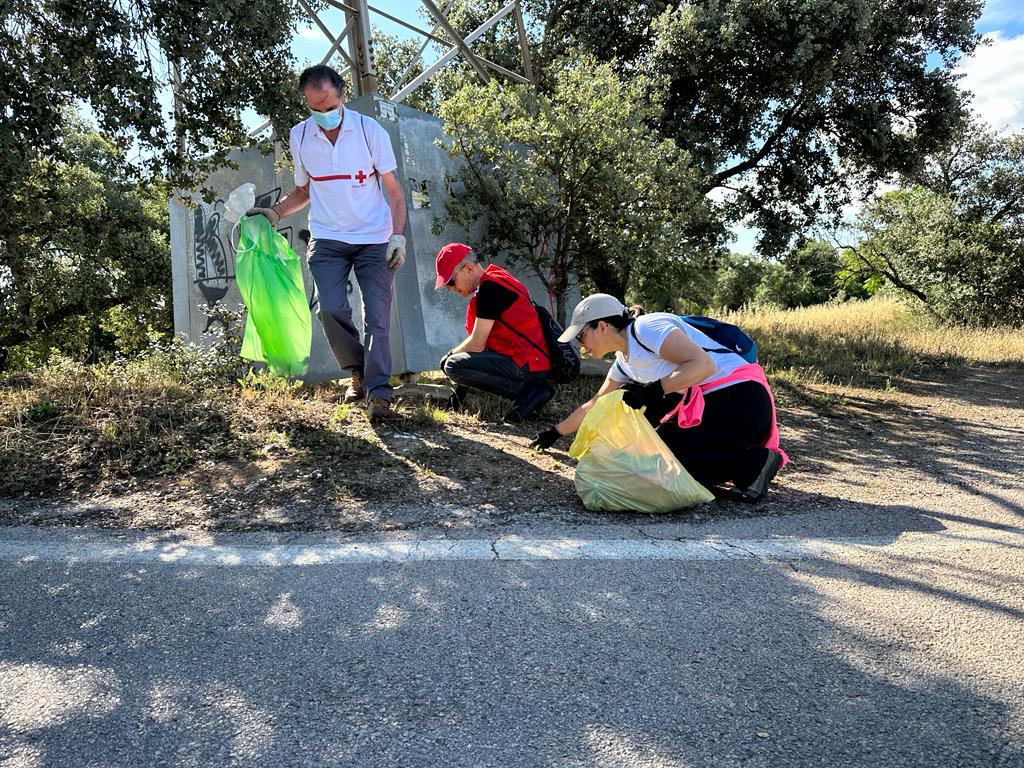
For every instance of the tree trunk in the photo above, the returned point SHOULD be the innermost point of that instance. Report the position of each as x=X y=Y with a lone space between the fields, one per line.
x=560 y=287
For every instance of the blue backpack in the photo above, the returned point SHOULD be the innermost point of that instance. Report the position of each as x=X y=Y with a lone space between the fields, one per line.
x=729 y=336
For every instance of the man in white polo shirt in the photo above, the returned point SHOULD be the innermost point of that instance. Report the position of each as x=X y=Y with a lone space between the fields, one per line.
x=344 y=164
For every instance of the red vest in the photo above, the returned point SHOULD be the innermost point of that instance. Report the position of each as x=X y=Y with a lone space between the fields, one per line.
x=521 y=316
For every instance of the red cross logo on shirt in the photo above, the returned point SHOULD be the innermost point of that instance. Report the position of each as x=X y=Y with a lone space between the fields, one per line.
x=360 y=177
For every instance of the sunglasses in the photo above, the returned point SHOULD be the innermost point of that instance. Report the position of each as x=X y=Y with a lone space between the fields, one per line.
x=579 y=336
x=451 y=281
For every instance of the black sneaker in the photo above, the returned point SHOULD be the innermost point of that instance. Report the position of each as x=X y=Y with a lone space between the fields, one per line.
x=531 y=399
x=758 y=489
x=457 y=401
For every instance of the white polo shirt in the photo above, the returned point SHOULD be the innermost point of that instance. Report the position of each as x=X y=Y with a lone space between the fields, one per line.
x=345 y=198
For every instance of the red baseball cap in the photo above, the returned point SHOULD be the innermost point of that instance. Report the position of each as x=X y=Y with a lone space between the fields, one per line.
x=448 y=259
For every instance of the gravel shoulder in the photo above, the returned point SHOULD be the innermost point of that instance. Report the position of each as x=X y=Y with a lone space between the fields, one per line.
x=947 y=447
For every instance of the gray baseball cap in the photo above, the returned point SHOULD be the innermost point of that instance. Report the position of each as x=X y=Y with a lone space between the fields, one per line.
x=595 y=307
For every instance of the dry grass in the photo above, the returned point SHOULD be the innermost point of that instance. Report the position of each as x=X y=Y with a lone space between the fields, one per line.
x=867 y=342
x=69 y=428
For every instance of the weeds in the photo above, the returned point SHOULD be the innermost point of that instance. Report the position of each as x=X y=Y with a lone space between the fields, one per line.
x=41 y=411
x=264 y=383
x=68 y=427
x=426 y=415
x=81 y=424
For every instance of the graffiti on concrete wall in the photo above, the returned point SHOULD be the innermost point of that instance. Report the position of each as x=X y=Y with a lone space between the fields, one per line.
x=213 y=270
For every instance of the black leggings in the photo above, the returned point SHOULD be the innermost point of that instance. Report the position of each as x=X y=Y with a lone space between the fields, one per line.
x=727 y=444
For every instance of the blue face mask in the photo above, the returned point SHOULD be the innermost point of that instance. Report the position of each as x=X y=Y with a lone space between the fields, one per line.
x=327 y=120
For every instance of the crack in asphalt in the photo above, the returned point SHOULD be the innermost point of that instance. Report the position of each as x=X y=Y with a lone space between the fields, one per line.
x=756 y=555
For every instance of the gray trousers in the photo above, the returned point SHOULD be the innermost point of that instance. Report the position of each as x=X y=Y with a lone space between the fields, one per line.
x=331 y=262
x=488 y=370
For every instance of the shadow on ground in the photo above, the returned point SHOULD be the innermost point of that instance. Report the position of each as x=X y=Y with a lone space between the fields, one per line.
x=471 y=664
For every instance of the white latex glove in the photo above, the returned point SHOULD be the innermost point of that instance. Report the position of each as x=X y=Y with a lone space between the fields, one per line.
x=267 y=213
x=395 y=256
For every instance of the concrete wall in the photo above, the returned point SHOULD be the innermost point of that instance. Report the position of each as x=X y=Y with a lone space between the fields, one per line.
x=425 y=323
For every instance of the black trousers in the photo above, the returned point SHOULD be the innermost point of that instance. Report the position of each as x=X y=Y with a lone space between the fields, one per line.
x=726 y=445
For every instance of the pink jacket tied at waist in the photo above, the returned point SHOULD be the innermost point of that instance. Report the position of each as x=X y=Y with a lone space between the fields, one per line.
x=691 y=408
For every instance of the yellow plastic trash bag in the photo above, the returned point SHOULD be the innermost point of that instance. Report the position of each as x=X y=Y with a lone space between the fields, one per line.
x=625 y=466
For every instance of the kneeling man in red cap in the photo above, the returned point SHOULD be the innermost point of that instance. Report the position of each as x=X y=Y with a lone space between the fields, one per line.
x=505 y=352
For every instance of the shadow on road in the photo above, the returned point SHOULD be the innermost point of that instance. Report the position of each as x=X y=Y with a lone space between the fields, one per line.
x=823 y=662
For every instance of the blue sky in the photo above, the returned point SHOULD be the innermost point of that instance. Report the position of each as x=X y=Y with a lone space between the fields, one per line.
x=995 y=74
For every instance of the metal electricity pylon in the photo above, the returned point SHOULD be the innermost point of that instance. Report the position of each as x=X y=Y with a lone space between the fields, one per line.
x=353 y=44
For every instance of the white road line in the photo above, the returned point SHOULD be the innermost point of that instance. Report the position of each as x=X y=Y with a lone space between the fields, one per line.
x=510 y=549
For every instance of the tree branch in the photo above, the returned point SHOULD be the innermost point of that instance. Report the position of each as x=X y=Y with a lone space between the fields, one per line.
x=1006 y=209
x=769 y=144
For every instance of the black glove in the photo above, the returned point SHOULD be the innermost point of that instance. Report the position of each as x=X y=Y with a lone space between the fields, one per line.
x=637 y=395
x=545 y=439
x=443 y=360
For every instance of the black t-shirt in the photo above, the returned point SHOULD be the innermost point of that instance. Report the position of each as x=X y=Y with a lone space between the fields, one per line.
x=492 y=299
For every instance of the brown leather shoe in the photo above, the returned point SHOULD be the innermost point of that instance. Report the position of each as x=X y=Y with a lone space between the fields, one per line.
x=355 y=391
x=378 y=409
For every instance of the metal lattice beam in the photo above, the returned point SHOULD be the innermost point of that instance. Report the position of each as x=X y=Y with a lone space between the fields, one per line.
x=359 y=56
x=461 y=44
x=471 y=38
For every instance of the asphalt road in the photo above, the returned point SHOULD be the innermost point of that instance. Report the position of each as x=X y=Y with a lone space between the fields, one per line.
x=778 y=643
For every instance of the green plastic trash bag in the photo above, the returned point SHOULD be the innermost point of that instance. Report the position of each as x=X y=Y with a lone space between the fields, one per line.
x=625 y=466
x=279 y=328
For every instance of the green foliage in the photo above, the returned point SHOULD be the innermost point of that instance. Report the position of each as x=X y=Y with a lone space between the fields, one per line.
x=118 y=59
x=959 y=268
x=572 y=182
x=954 y=240
x=738 y=278
x=807 y=275
x=676 y=285
x=982 y=172
x=607 y=29
x=782 y=109
x=787 y=106
x=266 y=383
x=85 y=262
x=41 y=411
x=397 y=62
x=341 y=414
x=214 y=364
x=792 y=104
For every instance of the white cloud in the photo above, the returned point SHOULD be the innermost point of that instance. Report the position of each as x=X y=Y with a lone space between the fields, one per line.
x=311 y=33
x=721 y=194
x=995 y=75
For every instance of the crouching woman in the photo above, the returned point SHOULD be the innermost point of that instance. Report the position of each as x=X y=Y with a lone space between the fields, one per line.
x=713 y=409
